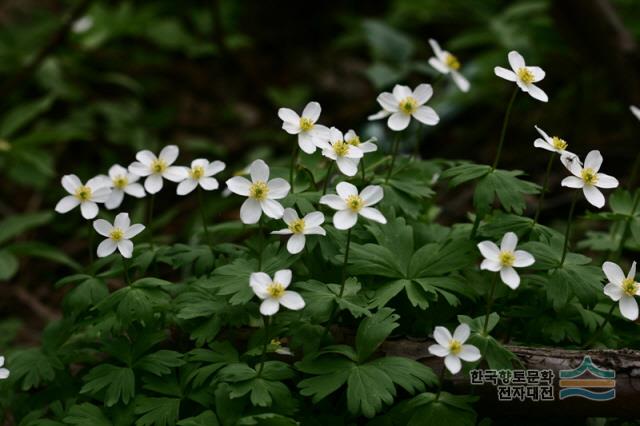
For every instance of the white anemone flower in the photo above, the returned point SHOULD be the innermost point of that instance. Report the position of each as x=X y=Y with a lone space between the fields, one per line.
x=274 y=293
x=589 y=179
x=345 y=155
x=352 y=138
x=453 y=348
x=4 y=373
x=350 y=204
x=84 y=195
x=635 y=111
x=310 y=134
x=403 y=104
x=505 y=259
x=156 y=168
x=118 y=235
x=445 y=63
x=523 y=76
x=200 y=173
x=552 y=143
x=121 y=182
x=622 y=289
x=298 y=228
x=262 y=193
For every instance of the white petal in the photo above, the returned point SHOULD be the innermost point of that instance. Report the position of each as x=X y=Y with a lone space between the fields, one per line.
x=333 y=201
x=153 y=184
x=259 y=281
x=523 y=259
x=629 y=307
x=345 y=219
x=284 y=231
x=509 y=242
x=4 y=373
x=442 y=336
x=176 y=173
x=115 y=199
x=250 y=211
x=133 y=230
x=368 y=147
x=537 y=93
x=388 y=102
x=97 y=182
x=89 y=209
x=510 y=277
x=469 y=353
x=346 y=189
x=373 y=214
x=632 y=271
x=125 y=247
x=283 y=277
x=106 y=247
x=209 y=183
x=614 y=291
x=291 y=128
x=70 y=202
x=259 y=171
x=70 y=183
x=122 y=221
x=272 y=208
x=145 y=157
x=516 y=61
x=540 y=143
x=460 y=81
x=613 y=272
x=315 y=230
x=426 y=115
x=635 y=111
x=438 y=350
x=438 y=65
x=314 y=219
x=490 y=265
x=606 y=181
x=538 y=73
x=139 y=169
x=292 y=300
x=186 y=186
x=347 y=166
x=379 y=115
x=306 y=143
x=101 y=195
x=278 y=188
x=102 y=227
x=289 y=116
x=572 y=182
x=505 y=73
x=543 y=134
x=312 y=111
x=269 y=307
x=453 y=364
x=214 y=168
x=289 y=215
x=169 y=154
x=461 y=333
x=593 y=196
x=401 y=92
x=437 y=50
x=398 y=121
x=239 y=185
x=422 y=93
x=489 y=250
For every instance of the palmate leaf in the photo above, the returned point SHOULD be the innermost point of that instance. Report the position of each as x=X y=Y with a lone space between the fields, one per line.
x=207 y=418
x=115 y=383
x=264 y=389
x=32 y=367
x=373 y=330
x=505 y=186
x=86 y=414
x=321 y=298
x=160 y=362
x=442 y=408
x=157 y=411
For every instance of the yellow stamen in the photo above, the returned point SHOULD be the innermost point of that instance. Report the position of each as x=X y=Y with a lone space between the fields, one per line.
x=341 y=148
x=297 y=226
x=116 y=234
x=451 y=61
x=259 y=190
x=306 y=124
x=158 y=166
x=120 y=181
x=196 y=172
x=275 y=290
x=455 y=347
x=507 y=258
x=354 y=141
x=83 y=193
x=630 y=286
x=525 y=75
x=408 y=105
x=589 y=176
x=558 y=143
x=355 y=203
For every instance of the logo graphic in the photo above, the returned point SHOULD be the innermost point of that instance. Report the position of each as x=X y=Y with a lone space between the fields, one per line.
x=587 y=376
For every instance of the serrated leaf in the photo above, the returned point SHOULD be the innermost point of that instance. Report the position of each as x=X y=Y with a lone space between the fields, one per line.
x=117 y=383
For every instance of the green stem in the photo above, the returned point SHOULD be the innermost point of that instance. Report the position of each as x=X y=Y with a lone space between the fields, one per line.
x=152 y=198
x=627 y=227
x=264 y=347
x=261 y=245
x=125 y=268
x=334 y=310
x=396 y=145
x=567 y=233
x=363 y=171
x=503 y=132
x=327 y=178
x=596 y=334
x=204 y=217
x=476 y=224
x=494 y=282
x=90 y=239
x=544 y=189
x=294 y=160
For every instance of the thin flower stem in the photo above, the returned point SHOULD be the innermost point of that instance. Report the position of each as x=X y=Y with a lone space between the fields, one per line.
x=363 y=171
x=334 y=310
x=125 y=269
x=598 y=332
x=567 y=233
x=494 y=282
x=204 y=217
x=544 y=189
x=152 y=198
x=396 y=145
x=327 y=178
x=266 y=343
x=261 y=245
x=627 y=226
x=90 y=239
x=503 y=132
x=294 y=160
x=476 y=224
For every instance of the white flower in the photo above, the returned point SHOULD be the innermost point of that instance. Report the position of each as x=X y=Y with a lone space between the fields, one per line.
x=554 y=144
x=298 y=228
x=86 y=196
x=156 y=168
x=200 y=173
x=261 y=193
x=274 y=292
x=309 y=133
x=588 y=178
x=622 y=289
x=350 y=204
x=403 y=104
x=635 y=111
x=345 y=155
x=446 y=63
x=523 y=75
x=121 y=182
x=118 y=235
x=4 y=373
x=505 y=258
x=452 y=348
x=379 y=115
x=352 y=138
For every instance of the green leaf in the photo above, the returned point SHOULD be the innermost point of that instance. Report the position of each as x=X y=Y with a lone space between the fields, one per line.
x=22 y=115
x=368 y=388
x=373 y=331
x=157 y=411
x=33 y=367
x=44 y=251
x=8 y=265
x=465 y=172
x=410 y=375
x=86 y=414
x=161 y=362
x=207 y=418
x=117 y=383
x=442 y=408
x=18 y=224
x=386 y=43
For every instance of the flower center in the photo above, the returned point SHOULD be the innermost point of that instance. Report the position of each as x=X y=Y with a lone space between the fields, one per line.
x=408 y=105
x=507 y=258
x=355 y=203
x=116 y=234
x=259 y=190
x=451 y=61
x=158 y=166
x=83 y=193
x=306 y=124
x=341 y=148
x=120 y=181
x=297 y=226
x=196 y=172
x=354 y=141
x=525 y=75
x=558 y=143
x=276 y=290
x=589 y=176
x=455 y=347
x=629 y=286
